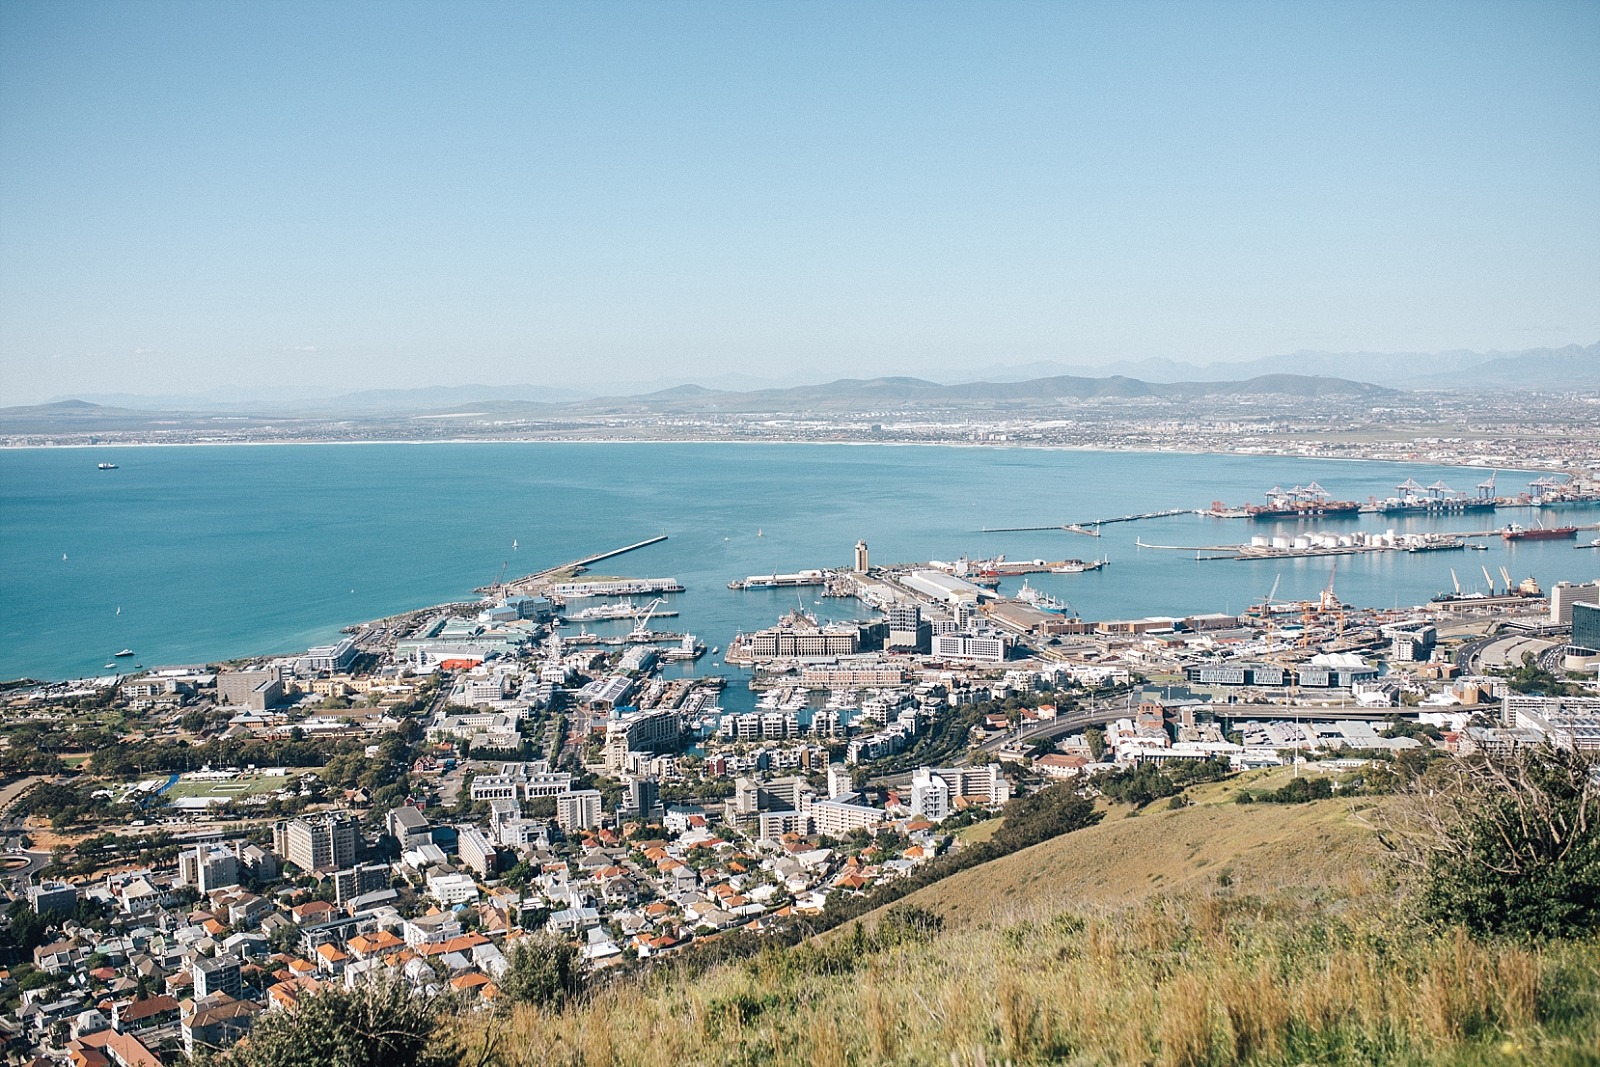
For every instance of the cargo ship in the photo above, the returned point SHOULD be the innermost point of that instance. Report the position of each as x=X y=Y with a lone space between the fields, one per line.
x=1539 y=533
x=1435 y=499
x=1300 y=502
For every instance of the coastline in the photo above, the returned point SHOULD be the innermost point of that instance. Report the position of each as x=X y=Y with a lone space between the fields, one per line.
x=1103 y=447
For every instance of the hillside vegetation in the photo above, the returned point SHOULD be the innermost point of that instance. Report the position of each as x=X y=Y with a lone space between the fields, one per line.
x=1134 y=853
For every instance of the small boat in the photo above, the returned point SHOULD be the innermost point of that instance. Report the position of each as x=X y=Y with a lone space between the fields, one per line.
x=1592 y=544
x=107 y=466
x=109 y=667
x=125 y=652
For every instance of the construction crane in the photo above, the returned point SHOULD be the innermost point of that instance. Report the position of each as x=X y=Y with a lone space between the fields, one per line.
x=1455 y=581
x=642 y=627
x=1489 y=579
x=1507 y=576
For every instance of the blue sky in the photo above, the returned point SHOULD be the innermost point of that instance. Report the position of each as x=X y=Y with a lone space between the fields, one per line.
x=333 y=196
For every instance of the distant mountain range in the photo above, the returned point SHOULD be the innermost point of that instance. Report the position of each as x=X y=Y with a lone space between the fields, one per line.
x=844 y=396
x=1570 y=367
x=856 y=394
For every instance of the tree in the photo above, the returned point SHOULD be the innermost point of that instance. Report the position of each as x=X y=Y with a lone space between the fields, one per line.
x=376 y=1024
x=544 y=971
x=1506 y=844
x=1096 y=739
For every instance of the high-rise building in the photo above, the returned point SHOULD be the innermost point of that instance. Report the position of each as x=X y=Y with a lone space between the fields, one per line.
x=53 y=896
x=1586 y=626
x=318 y=843
x=930 y=794
x=861 y=557
x=208 y=867
x=643 y=796
x=907 y=630
x=358 y=881
x=1563 y=595
x=476 y=851
x=217 y=974
x=578 y=810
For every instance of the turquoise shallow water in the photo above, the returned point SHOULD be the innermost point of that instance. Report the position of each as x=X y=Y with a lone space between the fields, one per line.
x=220 y=552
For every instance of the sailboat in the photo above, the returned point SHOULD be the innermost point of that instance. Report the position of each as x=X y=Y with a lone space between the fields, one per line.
x=513 y=544
x=119 y=609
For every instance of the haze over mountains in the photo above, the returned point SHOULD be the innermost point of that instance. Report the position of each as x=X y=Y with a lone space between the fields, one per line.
x=1570 y=367
x=842 y=396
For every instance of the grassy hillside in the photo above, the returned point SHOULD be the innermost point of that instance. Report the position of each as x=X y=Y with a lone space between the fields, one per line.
x=1217 y=934
x=1257 y=848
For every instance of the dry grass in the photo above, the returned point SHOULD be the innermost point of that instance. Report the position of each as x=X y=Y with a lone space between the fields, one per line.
x=1205 y=981
x=1259 y=848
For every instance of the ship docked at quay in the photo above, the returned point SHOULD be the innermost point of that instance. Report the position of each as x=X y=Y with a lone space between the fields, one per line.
x=1301 y=502
x=1410 y=499
x=1539 y=533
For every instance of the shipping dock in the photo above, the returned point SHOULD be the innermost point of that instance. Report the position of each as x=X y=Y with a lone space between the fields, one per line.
x=798 y=580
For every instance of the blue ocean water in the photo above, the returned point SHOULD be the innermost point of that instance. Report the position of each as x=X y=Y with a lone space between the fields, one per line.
x=221 y=552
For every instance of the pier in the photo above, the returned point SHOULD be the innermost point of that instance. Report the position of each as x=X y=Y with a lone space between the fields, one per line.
x=577 y=566
x=1090 y=528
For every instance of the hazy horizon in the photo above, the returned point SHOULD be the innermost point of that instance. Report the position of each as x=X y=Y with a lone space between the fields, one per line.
x=301 y=199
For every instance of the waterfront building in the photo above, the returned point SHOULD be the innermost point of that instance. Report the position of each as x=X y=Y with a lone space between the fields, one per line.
x=330 y=659
x=946 y=588
x=862 y=560
x=658 y=730
x=850 y=676
x=800 y=636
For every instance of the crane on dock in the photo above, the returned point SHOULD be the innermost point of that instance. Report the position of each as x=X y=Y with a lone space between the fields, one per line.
x=642 y=627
